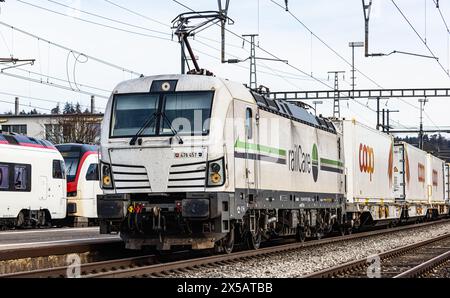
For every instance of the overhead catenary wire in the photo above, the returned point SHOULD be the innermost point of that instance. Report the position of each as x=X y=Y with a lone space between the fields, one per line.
x=210 y=39
x=325 y=44
x=109 y=19
x=292 y=76
x=69 y=49
x=43 y=99
x=59 y=79
x=136 y=13
x=442 y=16
x=336 y=53
x=93 y=23
x=6 y=44
x=262 y=49
x=273 y=71
x=51 y=84
x=420 y=37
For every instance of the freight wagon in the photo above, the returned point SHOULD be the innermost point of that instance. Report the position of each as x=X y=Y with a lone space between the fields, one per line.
x=369 y=174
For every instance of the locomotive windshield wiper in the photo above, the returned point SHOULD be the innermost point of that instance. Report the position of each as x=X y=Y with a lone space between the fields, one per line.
x=174 y=131
x=144 y=126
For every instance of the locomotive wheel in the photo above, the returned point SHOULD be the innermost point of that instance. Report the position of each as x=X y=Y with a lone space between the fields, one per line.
x=320 y=233
x=301 y=235
x=254 y=241
x=228 y=242
x=20 y=221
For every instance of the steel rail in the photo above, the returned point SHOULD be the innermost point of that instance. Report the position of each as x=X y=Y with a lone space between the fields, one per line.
x=88 y=268
x=353 y=266
x=425 y=267
x=59 y=249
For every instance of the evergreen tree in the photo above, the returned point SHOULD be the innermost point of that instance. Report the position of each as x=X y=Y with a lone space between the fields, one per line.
x=78 y=108
x=68 y=108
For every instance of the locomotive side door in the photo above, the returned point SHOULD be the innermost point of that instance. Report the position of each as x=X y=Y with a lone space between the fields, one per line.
x=246 y=148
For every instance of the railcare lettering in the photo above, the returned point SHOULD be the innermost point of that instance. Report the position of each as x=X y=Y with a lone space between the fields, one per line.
x=366 y=160
x=299 y=161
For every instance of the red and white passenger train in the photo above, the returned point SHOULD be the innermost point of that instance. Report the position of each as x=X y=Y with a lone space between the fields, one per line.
x=83 y=184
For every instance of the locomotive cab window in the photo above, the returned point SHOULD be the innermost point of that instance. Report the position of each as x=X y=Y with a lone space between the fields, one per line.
x=58 y=169
x=131 y=112
x=157 y=114
x=187 y=113
x=4 y=177
x=248 y=123
x=92 y=173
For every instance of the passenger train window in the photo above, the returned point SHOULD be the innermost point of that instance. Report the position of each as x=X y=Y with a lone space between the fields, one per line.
x=58 y=169
x=21 y=178
x=248 y=123
x=92 y=173
x=4 y=177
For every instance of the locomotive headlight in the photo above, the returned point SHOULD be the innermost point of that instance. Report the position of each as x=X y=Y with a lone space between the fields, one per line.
x=215 y=178
x=216 y=173
x=215 y=167
x=106 y=176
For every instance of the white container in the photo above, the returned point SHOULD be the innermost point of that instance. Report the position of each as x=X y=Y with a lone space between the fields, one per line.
x=410 y=183
x=435 y=179
x=369 y=156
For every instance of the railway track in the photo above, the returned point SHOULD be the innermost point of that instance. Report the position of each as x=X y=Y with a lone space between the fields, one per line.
x=437 y=267
x=405 y=262
x=46 y=249
x=154 y=266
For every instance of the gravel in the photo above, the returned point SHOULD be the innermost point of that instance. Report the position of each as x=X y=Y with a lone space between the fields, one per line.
x=307 y=260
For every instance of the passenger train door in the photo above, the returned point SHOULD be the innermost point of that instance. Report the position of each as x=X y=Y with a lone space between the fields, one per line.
x=43 y=193
x=247 y=148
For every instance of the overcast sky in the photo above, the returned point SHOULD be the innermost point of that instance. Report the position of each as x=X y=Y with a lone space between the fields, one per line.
x=148 y=48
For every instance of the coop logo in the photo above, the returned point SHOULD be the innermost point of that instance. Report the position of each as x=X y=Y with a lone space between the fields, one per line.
x=366 y=160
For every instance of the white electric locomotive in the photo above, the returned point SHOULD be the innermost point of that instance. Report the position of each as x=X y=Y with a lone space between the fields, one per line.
x=203 y=161
x=32 y=182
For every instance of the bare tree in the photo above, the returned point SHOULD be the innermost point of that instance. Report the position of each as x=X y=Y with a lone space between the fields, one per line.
x=74 y=128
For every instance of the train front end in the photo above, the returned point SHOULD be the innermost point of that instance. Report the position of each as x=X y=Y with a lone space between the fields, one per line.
x=163 y=166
